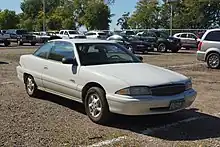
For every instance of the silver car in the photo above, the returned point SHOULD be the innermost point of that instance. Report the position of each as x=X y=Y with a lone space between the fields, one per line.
x=188 y=40
x=209 y=48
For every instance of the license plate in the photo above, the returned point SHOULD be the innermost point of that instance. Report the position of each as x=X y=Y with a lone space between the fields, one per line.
x=177 y=104
x=140 y=45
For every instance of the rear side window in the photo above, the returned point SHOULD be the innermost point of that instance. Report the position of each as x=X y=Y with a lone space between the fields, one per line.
x=184 y=35
x=213 y=36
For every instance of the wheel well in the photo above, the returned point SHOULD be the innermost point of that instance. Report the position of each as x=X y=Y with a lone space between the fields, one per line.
x=210 y=53
x=87 y=87
x=25 y=76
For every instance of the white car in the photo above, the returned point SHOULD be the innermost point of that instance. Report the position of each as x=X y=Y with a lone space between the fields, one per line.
x=70 y=34
x=188 y=40
x=96 y=35
x=105 y=77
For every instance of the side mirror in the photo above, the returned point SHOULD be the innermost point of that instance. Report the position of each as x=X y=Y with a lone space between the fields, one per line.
x=69 y=61
x=141 y=58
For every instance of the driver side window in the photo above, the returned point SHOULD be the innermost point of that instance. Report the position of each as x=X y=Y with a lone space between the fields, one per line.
x=61 y=49
x=44 y=50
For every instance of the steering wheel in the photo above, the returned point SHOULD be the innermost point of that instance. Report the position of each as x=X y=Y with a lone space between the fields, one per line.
x=115 y=56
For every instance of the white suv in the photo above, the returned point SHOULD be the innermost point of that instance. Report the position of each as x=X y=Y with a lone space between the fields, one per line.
x=209 y=48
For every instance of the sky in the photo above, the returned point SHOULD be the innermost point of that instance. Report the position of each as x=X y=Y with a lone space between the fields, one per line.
x=118 y=8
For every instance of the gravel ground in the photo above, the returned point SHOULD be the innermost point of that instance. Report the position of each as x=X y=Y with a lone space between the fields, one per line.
x=53 y=121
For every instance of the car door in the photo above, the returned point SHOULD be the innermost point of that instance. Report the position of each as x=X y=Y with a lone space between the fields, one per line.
x=184 y=39
x=59 y=77
x=192 y=40
x=38 y=60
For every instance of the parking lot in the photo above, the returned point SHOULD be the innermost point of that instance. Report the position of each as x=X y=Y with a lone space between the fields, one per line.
x=53 y=121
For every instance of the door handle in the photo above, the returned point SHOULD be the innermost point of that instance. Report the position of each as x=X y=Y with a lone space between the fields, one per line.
x=45 y=67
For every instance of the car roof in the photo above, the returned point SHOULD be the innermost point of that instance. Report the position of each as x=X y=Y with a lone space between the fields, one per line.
x=83 y=40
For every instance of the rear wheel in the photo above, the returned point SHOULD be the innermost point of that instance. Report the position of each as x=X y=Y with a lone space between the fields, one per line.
x=175 y=50
x=30 y=86
x=96 y=105
x=213 y=60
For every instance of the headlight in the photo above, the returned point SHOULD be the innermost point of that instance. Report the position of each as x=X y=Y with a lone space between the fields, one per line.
x=188 y=85
x=135 y=91
x=170 y=40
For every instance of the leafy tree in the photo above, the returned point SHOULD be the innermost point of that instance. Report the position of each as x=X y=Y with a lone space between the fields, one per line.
x=96 y=15
x=8 y=19
x=146 y=14
x=123 y=21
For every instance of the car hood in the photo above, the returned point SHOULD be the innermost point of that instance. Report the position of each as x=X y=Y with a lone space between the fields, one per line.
x=139 y=74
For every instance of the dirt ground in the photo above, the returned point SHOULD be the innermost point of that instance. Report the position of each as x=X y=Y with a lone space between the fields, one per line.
x=53 y=121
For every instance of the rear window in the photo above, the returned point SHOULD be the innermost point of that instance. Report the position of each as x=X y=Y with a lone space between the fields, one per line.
x=213 y=36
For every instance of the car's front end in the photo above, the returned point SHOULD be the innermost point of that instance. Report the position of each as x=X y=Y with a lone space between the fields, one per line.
x=173 y=43
x=143 y=100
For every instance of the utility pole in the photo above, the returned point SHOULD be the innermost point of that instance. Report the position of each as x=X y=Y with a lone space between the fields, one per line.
x=44 y=17
x=171 y=19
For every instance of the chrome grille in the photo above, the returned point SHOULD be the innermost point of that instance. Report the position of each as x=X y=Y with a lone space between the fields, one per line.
x=168 y=90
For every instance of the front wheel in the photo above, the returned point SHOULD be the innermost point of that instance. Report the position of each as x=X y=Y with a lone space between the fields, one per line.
x=213 y=60
x=33 y=43
x=162 y=48
x=96 y=105
x=7 y=43
x=30 y=86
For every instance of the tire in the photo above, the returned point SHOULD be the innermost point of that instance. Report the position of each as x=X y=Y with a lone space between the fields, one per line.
x=213 y=60
x=162 y=48
x=30 y=86
x=33 y=43
x=175 y=50
x=7 y=43
x=96 y=105
x=20 y=42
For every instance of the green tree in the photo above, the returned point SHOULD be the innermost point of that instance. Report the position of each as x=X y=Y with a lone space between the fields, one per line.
x=146 y=15
x=96 y=15
x=8 y=19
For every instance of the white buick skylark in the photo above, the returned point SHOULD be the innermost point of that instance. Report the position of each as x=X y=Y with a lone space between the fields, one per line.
x=105 y=77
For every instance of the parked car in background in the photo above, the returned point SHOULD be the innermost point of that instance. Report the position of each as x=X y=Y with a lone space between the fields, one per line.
x=105 y=77
x=188 y=40
x=96 y=35
x=163 y=41
x=21 y=36
x=70 y=34
x=209 y=48
x=121 y=40
x=4 y=38
x=133 y=43
x=128 y=33
x=41 y=37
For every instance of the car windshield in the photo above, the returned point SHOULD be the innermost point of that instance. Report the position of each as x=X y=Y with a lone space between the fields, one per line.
x=73 y=32
x=104 y=53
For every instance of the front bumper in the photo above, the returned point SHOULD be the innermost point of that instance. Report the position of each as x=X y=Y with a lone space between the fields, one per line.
x=200 y=56
x=148 y=105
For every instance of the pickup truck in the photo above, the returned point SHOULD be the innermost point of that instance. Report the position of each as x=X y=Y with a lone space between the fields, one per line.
x=21 y=36
x=70 y=34
x=4 y=38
